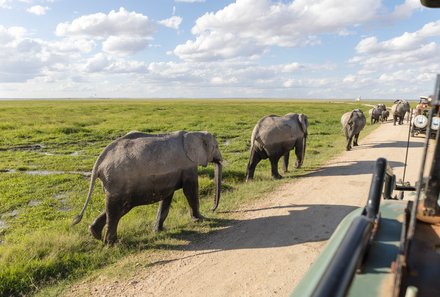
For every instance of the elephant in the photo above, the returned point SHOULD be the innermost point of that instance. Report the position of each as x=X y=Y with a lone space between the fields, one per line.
x=376 y=113
x=352 y=123
x=275 y=136
x=139 y=169
x=384 y=116
x=398 y=110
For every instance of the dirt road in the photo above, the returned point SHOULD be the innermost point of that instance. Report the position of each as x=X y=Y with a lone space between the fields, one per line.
x=273 y=243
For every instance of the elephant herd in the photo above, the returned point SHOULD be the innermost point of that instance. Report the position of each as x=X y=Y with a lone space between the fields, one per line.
x=139 y=168
x=398 y=111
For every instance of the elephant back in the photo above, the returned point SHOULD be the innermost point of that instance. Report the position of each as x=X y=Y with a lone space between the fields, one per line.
x=272 y=129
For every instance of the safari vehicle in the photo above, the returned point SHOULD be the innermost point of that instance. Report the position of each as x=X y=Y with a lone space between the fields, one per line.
x=419 y=122
x=391 y=246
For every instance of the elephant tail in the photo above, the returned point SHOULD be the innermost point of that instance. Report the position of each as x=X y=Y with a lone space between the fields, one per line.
x=93 y=178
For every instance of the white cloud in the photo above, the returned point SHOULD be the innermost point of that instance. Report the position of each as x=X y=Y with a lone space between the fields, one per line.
x=5 y=4
x=405 y=10
x=100 y=25
x=38 y=10
x=410 y=59
x=122 y=32
x=172 y=22
x=250 y=27
x=101 y=63
x=121 y=45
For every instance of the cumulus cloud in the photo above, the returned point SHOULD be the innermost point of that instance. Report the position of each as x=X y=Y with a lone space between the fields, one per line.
x=5 y=4
x=408 y=41
x=21 y=58
x=172 y=22
x=122 y=32
x=405 y=10
x=399 y=60
x=251 y=27
x=38 y=10
x=101 y=63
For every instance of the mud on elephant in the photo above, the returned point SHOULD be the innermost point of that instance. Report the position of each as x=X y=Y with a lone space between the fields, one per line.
x=274 y=137
x=138 y=169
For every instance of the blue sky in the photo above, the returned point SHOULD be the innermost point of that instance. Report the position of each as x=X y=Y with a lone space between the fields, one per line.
x=218 y=49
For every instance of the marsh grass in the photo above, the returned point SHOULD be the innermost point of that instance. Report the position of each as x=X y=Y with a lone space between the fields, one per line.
x=48 y=147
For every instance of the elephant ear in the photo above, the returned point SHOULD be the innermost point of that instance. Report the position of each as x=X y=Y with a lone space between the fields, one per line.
x=303 y=122
x=196 y=148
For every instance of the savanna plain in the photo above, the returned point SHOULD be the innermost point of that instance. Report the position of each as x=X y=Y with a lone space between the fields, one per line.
x=48 y=149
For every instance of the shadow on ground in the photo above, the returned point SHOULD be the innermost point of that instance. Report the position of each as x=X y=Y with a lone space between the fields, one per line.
x=351 y=168
x=396 y=144
x=299 y=224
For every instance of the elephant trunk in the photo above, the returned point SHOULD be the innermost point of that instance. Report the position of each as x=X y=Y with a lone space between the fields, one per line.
x=218 y=183
x=304 y=149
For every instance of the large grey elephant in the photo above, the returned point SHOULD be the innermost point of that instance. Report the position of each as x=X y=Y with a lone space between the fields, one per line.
x=353 y=122
x=398 y=110
x=274 y=137
x=138 y=169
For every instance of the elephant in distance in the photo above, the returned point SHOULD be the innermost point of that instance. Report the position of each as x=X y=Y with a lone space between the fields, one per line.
x=274 y=137
x=398 y=110
x=138 y=169
x=352 y=123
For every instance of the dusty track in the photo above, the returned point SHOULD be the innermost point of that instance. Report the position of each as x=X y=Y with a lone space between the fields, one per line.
x=273 y=242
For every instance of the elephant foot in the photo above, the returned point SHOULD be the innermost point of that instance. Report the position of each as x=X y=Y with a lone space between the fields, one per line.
x=277 y=176
x=198 y=218
x=158 y=228
x=97 y=234
x=355 y=144
x=110 y=240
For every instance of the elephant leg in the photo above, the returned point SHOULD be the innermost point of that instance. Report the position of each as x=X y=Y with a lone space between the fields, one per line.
x=349 y=139
x=253 y=162
x=162 y=212
x=394 y=120
x=191 y=191
x=274 y=167
x=115 y=209
x=286 y=162
x=355 y=141
x=98 y=224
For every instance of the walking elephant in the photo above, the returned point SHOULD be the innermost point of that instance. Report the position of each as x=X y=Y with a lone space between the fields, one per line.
x=398 y=110
x=274 y=137
x=138 y=169
x=384 y=116
x=376 y=113
x=352 y=123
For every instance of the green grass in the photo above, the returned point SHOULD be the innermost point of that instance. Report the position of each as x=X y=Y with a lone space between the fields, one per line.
x=38 y=248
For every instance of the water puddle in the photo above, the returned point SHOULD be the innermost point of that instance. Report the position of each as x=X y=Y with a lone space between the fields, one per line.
x=3 y=225
x=30 y=147
x=62 y=198
x=46 y=172
x=34 y=203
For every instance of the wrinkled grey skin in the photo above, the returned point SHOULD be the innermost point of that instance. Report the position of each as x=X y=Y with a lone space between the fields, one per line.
x=398 y=110
x=138 y=169
x=352 y=123
x=384 y=116
x=274 y=137
x=376 y=113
